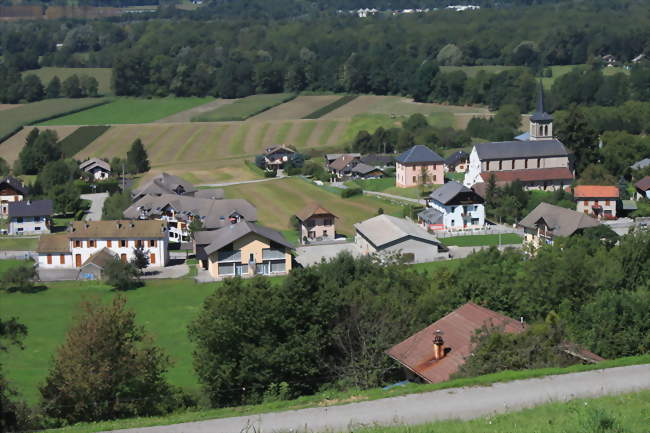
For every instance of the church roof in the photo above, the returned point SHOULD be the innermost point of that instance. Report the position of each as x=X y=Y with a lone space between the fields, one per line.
x=540 y=115
x=520 y=149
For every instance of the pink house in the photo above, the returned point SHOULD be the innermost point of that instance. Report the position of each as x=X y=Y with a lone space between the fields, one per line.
x=316 y=223
x=419 y=165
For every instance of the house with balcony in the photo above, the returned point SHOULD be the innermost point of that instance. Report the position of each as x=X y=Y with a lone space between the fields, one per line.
x=30 y=217
x=243 y=249
x=419 y=165
x=11 y=190
x=84 y=240
x=179 y=211
x=275 y=157
x=598 y=201
x=547 y=222
x=342 y=166
x=457 y=162
x=316 y=224
x=453 y=206
x=97 y=168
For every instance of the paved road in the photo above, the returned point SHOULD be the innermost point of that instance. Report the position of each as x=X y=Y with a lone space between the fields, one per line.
x=96 y=205
x=395 y=197
x=457 y=403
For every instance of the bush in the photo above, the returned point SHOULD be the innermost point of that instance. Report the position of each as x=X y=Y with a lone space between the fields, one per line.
x=351 y=192
x=270 y=173
x=19 y=278
x=110 y=186
x=122 y=276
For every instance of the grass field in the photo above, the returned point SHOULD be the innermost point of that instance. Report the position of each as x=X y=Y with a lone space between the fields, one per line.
x=11 y=120
x=244 y=108
x=558 y=71
x=479 y=240
x=80 y=138
x=129 y=110
x=471 y=71
x=277 y=200
x=11 y=147
x=298 y=108
x=333 y=105
x=16 y=243
x=102 y=75
x=387 y=185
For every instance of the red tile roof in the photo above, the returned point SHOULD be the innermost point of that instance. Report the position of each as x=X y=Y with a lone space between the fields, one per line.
x=458 y=328
x=595 y=191
x=530 y=175
x=643 y=184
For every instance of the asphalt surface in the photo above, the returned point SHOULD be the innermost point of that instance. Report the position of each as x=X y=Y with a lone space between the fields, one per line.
x=96 y=205
x=457 y=403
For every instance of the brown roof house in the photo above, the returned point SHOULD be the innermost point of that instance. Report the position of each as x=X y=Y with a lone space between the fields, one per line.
x=164 y=183
x=97 y=168
x=276 y=156
x=316 y=224
x=438 y=351
x=548 y=221
x=643 y=188
x=11 y=190
x=598 y=201
x=343 y=165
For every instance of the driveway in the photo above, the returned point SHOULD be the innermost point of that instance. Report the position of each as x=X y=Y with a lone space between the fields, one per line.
x=175 y=269
x=96 y=205
x=313 y=254
x=457 y=403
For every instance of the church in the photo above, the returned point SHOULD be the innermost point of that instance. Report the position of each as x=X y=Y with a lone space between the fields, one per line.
x=536 y=159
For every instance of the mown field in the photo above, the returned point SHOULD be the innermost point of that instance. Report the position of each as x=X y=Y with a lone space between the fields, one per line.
x=14 y=243
x=296 y=108
x=130 y=110
x=244 y=108
x=278 y=200
x=11 y=147
x=102 y=75
x=14 y=118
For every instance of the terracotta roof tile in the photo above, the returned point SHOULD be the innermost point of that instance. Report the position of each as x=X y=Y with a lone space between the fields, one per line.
x=595 y=191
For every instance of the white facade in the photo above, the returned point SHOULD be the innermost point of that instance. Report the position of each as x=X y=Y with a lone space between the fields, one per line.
x=99 y=173
x=28 y=225
x=460 y=216
x=473 y=175
x=6 y=199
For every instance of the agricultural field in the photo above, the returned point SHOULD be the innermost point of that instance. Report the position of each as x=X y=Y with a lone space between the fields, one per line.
x=80 y=138
x=12 y=119
x=297 y=108
x=14 y=243
x=102 y=75
x=278 y=200
x=244 y=108
x=11 y=147
x=558 y=71
x=317 y=114
x=129 y=110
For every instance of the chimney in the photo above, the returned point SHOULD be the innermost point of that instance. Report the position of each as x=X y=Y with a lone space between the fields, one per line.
x=438 y=346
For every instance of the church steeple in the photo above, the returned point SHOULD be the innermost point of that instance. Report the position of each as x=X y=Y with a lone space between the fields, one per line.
x=541 y=123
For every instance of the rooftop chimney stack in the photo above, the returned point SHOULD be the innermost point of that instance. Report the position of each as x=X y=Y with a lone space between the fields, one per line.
x=438 y=346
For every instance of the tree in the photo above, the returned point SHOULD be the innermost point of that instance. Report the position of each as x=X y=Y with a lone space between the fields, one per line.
x=53 y=89
x=32 y=88
x=88 y=85
x=596 y=174
x=137 y=160
x=196 y=225
x=40 y=148
x=4 y=167
x=122 y=276
x=66 y=197
x=12 y=413
x=580 y=137
x=107 y=368
x=450 y=55
x=71 y=87
x=115 y=205
x=57 y=173
x=140 y=258
x=19 y=278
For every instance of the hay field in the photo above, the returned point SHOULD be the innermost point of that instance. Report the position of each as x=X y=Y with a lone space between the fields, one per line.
x=9 y=106
x=277 y=200
x=10 y=148
x=296 y=108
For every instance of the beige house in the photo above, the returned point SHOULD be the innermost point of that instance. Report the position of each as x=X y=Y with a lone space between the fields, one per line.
x=419 y=166
x=316 y=223
x=11 y=191
x=597 y=201
x=243 y=249
x=546 y=222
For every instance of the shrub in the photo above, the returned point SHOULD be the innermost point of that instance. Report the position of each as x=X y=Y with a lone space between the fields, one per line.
x=19 y=278
x=270 y=173
x=351 y=192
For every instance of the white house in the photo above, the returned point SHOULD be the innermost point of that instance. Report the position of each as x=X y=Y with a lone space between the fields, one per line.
x=30 y=217
x=453 y=207
x=85 y=239
x=99 y=169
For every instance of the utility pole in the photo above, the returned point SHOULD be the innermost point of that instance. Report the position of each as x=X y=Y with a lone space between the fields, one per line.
x=123 y=180
x=499 y=228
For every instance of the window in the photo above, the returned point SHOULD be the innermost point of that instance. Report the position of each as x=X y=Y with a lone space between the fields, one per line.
x=109 y=243
x=526 y=163
x=414 y=179
x=37 y=228
x=500 y=165
x=226 y=268
x=586 y=203
x=325 y=233
x=138 y=243
x=606 y=202
x=434 y=177
x=596 y=203
x=49 y=259
x=539 y=162
x=124 y=243
x=251 y=257
x=278 y=266
x=77 y=244
x=19 y=219
x=37 y=219
x=62 y=259
x=152 y=243
x=123 y=257
x=91 y=244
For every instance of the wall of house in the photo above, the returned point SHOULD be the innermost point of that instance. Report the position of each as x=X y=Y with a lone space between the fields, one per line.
x=56 y=261
x=408 y=175
x=99 y=173
x=318 y=227
x=5 y=199
x=453 y=215
x=525 y=163
x=608 y=207
x=29 y=225
x=160 y=251
x=422 y=251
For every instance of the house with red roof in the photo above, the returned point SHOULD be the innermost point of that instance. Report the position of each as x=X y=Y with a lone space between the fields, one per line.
x=598 y=201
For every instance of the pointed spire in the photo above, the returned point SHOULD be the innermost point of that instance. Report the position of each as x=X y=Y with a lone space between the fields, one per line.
x=540 y=115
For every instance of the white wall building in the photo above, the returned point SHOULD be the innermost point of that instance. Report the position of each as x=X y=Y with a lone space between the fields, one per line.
x=453 y=207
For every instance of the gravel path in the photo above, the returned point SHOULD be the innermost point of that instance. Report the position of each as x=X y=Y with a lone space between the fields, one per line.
x=457 y=403
x=96 y=205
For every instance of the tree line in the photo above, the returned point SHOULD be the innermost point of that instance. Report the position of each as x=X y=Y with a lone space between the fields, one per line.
x=15 y=88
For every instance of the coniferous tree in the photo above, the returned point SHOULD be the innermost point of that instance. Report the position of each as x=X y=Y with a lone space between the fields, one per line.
x=137 y=160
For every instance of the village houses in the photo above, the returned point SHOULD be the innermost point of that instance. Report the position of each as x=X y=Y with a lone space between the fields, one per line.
x=643 y=188
x=596 y=200
x=546 y=222
x=30 y=217
x=164 y=184
x=419 y=165
x=453 y=206
x=316 y=223
x=97 y=168
x=11 y=190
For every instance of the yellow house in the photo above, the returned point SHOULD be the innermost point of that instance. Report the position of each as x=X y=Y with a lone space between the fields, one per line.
x=243 y=249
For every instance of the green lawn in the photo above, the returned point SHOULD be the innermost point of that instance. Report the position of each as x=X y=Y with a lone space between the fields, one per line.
x=471 y=71
x=8 y=264
x=558 y=71
x=244 y=108
x=379 y=185
x=102 y=75
x=481 y=240
x=16 y=243
x=130 y=110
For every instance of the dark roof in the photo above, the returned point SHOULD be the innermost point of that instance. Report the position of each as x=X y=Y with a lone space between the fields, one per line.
x=540 y=115
x=312 y=209
x=27 y=208
x=520 y=149
x=15 y=184
x=165 y=184
x=278 y=149
x=378 y=160
x=213 y=193
x=457 y=157
x=643 y=184
x=419 y=154
x=101 y=258
x=118 y=229
x=458 y=328
x=362 y=168
x=94 y=162
x=231 y=233
x=529 y=175
x=561 y=221
x=447 y=192
x=431 y=216
x=342 y=161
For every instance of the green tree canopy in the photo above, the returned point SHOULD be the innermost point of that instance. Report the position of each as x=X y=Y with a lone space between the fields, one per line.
x=137 y=160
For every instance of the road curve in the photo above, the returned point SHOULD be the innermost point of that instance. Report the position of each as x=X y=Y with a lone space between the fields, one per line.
x=455 y=403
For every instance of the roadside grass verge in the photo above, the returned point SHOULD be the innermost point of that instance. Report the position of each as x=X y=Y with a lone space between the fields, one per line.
x=378 y=185
x=80 y=138
x=15 y=243
x=482 y=240
x=244 y=108
x=331 y=107
x=102 y=75
x=130 y=110
x=331 y=398
x=12 y=120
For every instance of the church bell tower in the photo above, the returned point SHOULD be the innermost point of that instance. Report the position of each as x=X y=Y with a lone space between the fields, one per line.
x=541 y=123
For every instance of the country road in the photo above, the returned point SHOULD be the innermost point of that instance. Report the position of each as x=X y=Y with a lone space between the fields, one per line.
x=457 y=403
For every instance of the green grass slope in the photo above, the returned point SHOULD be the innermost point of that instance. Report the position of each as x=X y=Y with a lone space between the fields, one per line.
x=81 y=138
x=244 y=108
